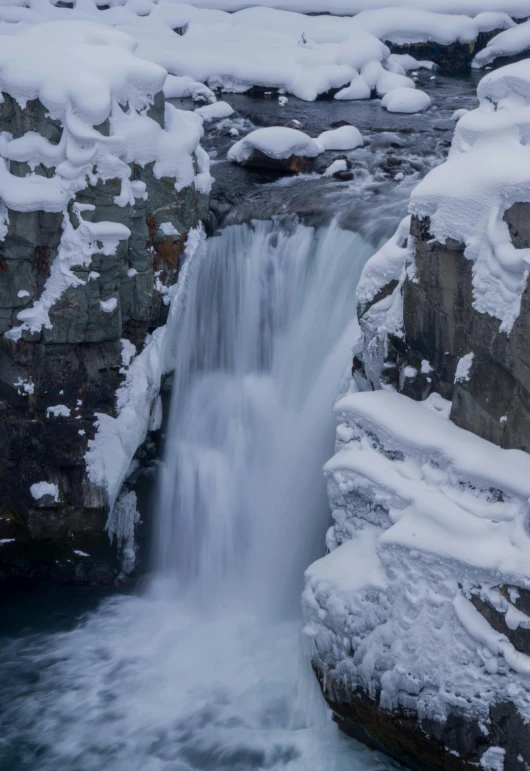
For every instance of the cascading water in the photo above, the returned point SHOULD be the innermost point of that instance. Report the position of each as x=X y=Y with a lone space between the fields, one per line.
x=200 y=673
x=259 y=355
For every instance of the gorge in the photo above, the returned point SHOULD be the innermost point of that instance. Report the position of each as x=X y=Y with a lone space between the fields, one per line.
x=176 y=329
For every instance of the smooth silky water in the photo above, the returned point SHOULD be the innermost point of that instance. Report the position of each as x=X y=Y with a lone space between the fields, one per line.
x=206 y=669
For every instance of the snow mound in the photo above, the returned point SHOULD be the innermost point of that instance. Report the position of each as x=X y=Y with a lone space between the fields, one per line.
x=428 y=519
x=215 y=111
x=275 y=142
x=358 y=89
x=343 y=138
x=511 y=42
x=486 y=173
x=405 y=100
x=40 y=489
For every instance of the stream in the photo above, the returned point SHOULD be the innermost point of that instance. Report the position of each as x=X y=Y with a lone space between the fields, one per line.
x=203 y=667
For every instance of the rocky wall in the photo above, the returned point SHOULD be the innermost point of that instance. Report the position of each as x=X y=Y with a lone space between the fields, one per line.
x=52 y=383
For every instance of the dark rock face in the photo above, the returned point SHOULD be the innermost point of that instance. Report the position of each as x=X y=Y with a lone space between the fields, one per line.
x=77 y=362
x=441 y=326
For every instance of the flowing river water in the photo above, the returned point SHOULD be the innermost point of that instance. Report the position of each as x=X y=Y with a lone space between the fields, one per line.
x=204 y=668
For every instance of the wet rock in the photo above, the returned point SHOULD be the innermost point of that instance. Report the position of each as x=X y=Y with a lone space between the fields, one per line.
x=343 y=176
x=294 y=164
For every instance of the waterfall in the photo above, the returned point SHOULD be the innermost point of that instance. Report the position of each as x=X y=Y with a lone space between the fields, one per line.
x=201 y=672
x=259 y=353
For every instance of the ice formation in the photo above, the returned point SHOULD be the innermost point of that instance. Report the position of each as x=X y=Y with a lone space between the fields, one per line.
x=111 y=451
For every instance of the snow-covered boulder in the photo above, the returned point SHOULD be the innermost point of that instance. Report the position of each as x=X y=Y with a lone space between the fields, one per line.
x=343 y=138
x=406 y=100
x=277 y=147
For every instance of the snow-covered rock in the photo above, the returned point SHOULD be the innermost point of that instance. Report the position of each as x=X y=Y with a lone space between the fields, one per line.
x=276 y=147
x=406 y=100
x=429 y=551
x=486 y=173
x=343 y=138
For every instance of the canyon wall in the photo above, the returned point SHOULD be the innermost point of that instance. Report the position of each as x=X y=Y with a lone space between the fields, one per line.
x=419 y=614
x=97 y=208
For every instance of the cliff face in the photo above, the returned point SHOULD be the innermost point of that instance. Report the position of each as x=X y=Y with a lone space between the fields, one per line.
x=420 y=612
x=95 y=224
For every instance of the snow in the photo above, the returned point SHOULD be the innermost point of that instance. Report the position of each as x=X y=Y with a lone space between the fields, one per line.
x=215 y=111
x=426 y=517
x=463 y=368
x=343 y=138
x=459 y=114
x=58 y=411
x=493 y=759
x=168 y=229
x=516 y=8
x=486 y=173
x=22 y=293
x=40 y=489
x=81 y=553
x=510 y=42
x=182 y=86
x=405 y=100
x=275 y=142
x=44 y=61
x=109 y=306
x=128 y=352
x=338 y=165
x=358 y=89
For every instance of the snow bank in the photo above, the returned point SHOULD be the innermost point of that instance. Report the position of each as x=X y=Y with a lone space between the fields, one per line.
x=343 y=138
x=275 y=142
x=486 y=173
x=40 y=489
x=406 y=101
x=111 y=451
x=516 y=8
x=508 y=43
x=263 y=46
x=427 y=517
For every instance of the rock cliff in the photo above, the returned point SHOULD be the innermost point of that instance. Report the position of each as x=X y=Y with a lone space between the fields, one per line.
x=98 y=205
x=419 y=614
